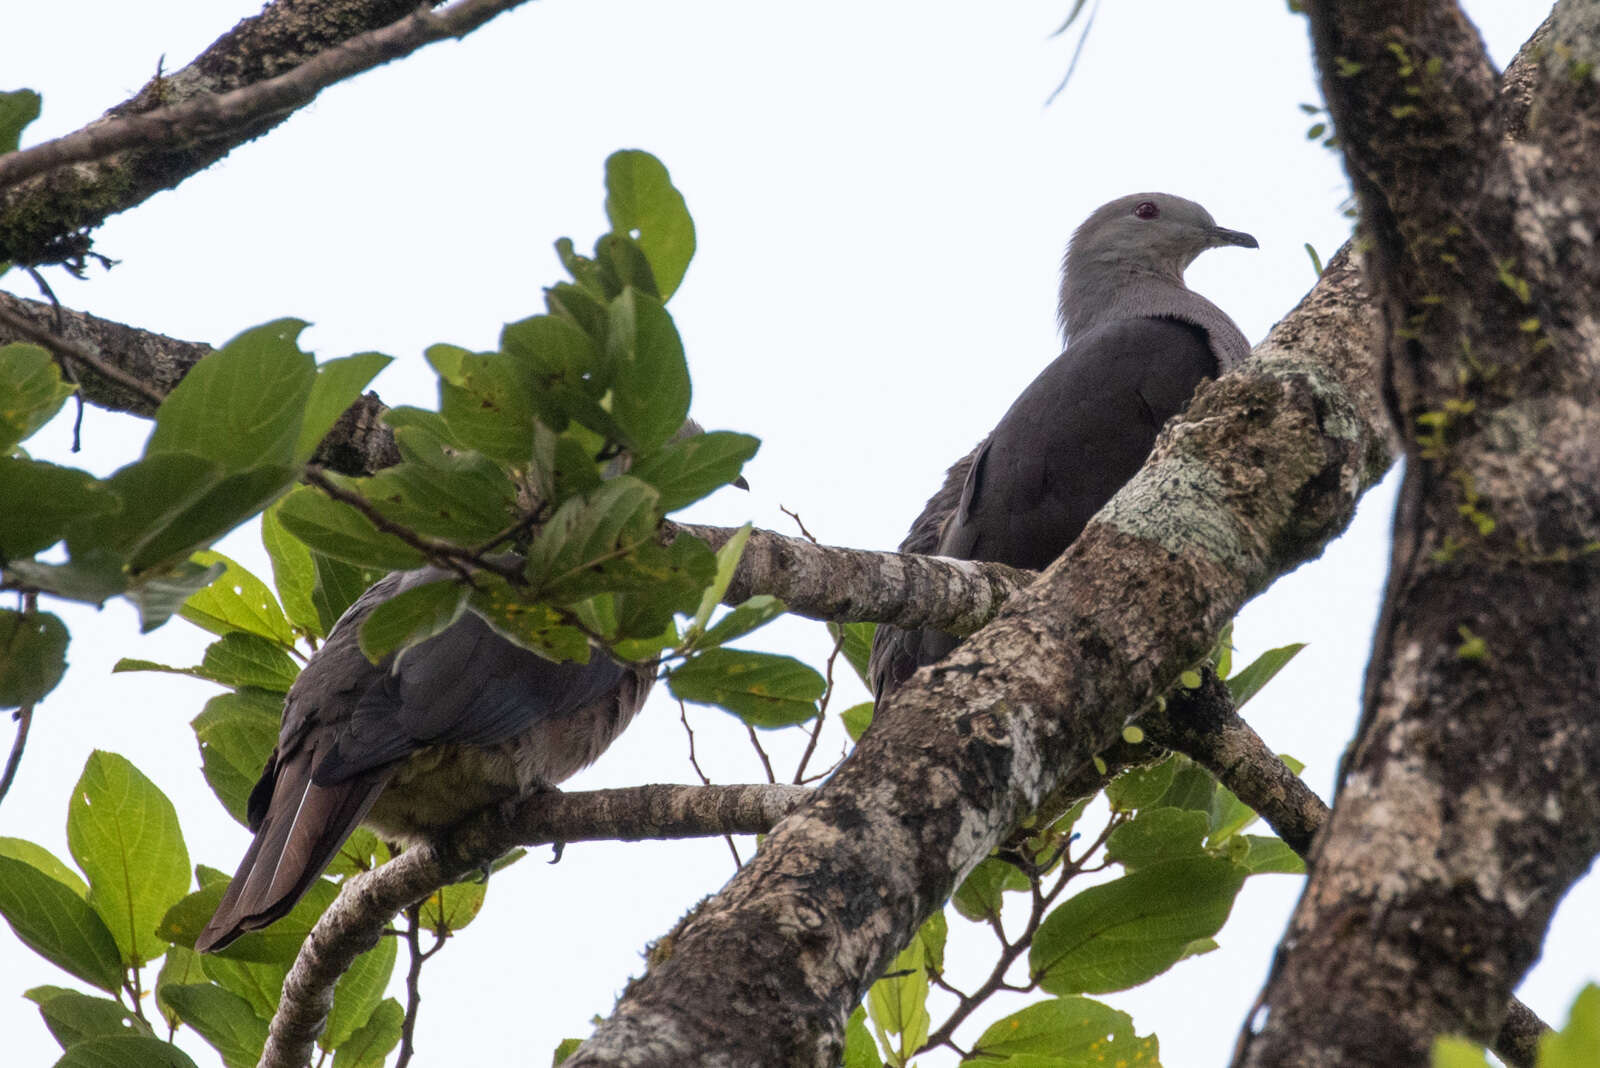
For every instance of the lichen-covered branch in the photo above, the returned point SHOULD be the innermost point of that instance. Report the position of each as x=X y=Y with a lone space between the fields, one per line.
x=247 y=82
x=1471 y=800
x=355 y=921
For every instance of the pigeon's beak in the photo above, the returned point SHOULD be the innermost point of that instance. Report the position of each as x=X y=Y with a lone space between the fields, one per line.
x=1222 y=236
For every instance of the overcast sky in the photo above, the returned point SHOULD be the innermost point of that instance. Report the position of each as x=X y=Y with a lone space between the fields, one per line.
x=882 y=197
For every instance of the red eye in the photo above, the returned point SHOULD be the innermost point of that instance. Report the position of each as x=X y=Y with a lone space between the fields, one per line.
x=1147 y=209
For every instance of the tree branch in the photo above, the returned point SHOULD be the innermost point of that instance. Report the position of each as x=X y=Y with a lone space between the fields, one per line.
x=181 y=123
x=366 y=904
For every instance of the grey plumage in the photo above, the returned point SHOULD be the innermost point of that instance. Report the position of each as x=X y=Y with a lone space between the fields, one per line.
x=1138 y=343
x=413 y=744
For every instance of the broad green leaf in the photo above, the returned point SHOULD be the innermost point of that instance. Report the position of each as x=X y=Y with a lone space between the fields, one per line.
x=152 y=493
x=336 y=387
x=293 y=573
x=50 y=918
x=727 y=562
x=763 y=689
x=33 y=656
x=124 y=834
x=358 y=993
x=468 y=499
x=1249 y=681
x=856 y=647
x=92 y=576
x=1139 y=788
x=362 y=851
x=39 y=857
x=1452 y=1051
x=160 y=595
x=31 y=390
x=236 y=600
x=933 y=934
x=642 y=202
x=1228 y=816
x=577 y=306
x=1268 y=854
x=236 y=732
x=621 y=264
x=860 y=1051
x=1576 y=1045
x=898 y=1003
x=39 y=502
x=533 y=626
x=755 y=612
x=1192 y=787
x=238 y=660
x=661 y=580
x=243 y=405
x=567 y=372
x=339 y=531
x=1122 y=933
x=259 y=983
x=179 y=967
x=1222 y=652
x=650 y=393
x=225 y=505
x=411 y=617
x=980 y=896
x=276 y=944
x=1156 y=835
x=17 y=108
x=856 y=720
x=74 y=1017
x=125 y=1051
x=370 y=1045
x=1067 y=1032
x=687 y=470
x=338 y=585
x=225 y=1020
x=584 y=542
x=487 y=401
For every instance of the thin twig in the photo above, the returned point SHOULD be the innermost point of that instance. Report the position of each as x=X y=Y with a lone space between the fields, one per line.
x=67 y=350
x=822 y=711
x=408 y=1027
x=755 y=742
x=683 y=717
x=797 y=522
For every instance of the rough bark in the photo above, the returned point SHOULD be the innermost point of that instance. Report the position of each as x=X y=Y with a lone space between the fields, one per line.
x=1472 y=799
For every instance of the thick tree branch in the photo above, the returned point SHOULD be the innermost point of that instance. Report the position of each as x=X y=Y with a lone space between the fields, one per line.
x=355 y=921
x=246 y=83
x=1471 y=800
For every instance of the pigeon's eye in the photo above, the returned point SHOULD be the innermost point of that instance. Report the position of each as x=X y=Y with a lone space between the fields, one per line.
x=1147 y=209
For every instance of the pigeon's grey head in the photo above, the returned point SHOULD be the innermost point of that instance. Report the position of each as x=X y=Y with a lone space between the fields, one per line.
x=1143 y=241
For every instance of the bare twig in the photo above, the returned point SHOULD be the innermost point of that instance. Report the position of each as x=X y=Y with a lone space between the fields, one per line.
x=683 y=717
x=822 y=712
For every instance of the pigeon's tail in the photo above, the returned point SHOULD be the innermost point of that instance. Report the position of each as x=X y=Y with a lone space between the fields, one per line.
x=303 y=827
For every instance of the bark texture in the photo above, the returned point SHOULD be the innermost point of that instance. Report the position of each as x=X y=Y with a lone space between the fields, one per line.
x=1472 y=799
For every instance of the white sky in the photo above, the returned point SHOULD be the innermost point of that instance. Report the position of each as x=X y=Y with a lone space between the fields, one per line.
x=882 y=199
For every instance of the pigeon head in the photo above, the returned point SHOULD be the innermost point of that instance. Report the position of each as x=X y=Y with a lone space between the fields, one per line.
x=1138 y=243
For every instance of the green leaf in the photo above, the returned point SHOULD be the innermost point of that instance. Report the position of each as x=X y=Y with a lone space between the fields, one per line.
x=1156 y=835
x=727 y=562
x=243 y=405
x=755 y=612
x=259 y=983
x=621 y=264
x=1577 y=1044
x=487 y=401
x=238 y=660
x=124 y=834
x=17 y=108
x=856 y=720
x=236 y=732
x=1451 y=1051
x=685 y=471
x=980 y=896
x=37 y=856
x=293 y=573
x=466 y=498
x=933 y=934
x=1249 y=681
x=1066 y=1032
x=661 y=580
x=343 y=533
x=1139 y=788
x=860 y=1051
x=33 y=656
x=224 y=506
x=1192 y=787
x=31 y=390
x=276 y=944
x=371 y=1043
x=159 y=596
x=236 y=600
x=336 y=387
x=153 y=493
x=74 y=1017
x=897 y=1004
x=533 y=626
x=642 y=202
x=1269 y=854
x=1122 y=933
x=578 y=552
x=763 y=689
x=92 y=576
x=51 y=919
x=448 y=910
x=125 y=1051
x=411 y=617
x=650 y=393
x=1228 y=816
x=358 y=993
x=179 y=967
x=225 y=1020
x=338 y=584
x=856 y=647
